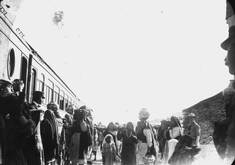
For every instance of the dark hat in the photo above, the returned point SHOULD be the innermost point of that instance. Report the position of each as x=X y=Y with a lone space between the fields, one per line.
x=230 y=6
x=38 y=94
x=5 y=88
x=230 y=39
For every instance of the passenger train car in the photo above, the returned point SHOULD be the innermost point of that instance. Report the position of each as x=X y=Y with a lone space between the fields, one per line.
x=18 y=60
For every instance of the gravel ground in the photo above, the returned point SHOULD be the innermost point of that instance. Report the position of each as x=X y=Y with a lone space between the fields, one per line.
x=207 y=156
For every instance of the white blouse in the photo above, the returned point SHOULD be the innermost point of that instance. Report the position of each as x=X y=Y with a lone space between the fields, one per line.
x=175 y=132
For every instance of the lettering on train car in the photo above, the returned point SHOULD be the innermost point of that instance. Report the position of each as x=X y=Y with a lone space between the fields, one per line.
x=20 y=32
x=2 y=10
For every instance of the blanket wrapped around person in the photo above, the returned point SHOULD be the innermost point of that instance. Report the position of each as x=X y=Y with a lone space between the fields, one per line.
x=184 y=153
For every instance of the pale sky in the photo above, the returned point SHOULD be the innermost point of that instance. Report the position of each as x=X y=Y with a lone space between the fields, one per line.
x=124 y=55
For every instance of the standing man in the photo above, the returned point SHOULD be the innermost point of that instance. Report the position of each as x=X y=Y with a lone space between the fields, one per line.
x=229 y=46
x=194 y=130
x=33 y=149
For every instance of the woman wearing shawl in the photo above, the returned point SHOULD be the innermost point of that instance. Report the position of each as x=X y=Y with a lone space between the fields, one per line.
x=60 y=127
x=50 y=138
x=108 y=150
x=129 y=141
x=80 y=137
x=173 y=134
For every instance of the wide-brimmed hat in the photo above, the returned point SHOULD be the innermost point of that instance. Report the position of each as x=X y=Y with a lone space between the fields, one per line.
x=230 y=5
x=230 y=39
x=191 y=115
x=144 y=114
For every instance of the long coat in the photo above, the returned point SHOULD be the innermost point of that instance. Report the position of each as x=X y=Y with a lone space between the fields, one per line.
x=33 y=149
x=14 y=130
x=128 y=155
x=50 y=138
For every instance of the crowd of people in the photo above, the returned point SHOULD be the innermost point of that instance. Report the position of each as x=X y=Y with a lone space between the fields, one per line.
x=30 y=135
x=33 y=136
x=127 y=144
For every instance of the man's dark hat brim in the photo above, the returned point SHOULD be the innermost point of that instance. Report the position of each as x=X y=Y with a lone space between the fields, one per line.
x=39 y=93
x=230 y=6
x=231 y=39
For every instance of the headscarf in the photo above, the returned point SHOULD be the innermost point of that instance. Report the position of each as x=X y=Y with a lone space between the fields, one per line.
x=109 y=125
x=70 y=109
x=108 y=135
x=79 y=115
x=176 y=121
x=127 y=127
x=53 y=106
x=130 y=129
x=50 y=117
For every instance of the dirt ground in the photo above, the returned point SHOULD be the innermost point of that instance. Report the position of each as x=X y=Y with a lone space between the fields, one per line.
x=207 y=156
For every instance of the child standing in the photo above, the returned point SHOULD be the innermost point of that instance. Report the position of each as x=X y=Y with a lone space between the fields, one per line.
x=108 y=150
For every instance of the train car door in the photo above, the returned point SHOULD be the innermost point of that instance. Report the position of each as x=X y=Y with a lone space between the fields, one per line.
x=28 y=75
x=32 y=84
x=23 y=73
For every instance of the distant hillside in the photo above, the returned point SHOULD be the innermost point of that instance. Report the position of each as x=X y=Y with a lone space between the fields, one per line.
x=207 y=112
x=158 y=121
x=178 y=114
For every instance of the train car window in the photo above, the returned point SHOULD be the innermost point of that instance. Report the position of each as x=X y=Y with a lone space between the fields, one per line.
x=70 y=100
x=11 y=63
x=47 y=95
x=41 y=82
x=32 y=84
x=23 y=73
x=66 y=100
x=50 y=85
x=56 y=95
x=66 y=103
x=62 y=100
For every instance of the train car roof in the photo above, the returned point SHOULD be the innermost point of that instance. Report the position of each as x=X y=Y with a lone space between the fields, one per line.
x=41 y=59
